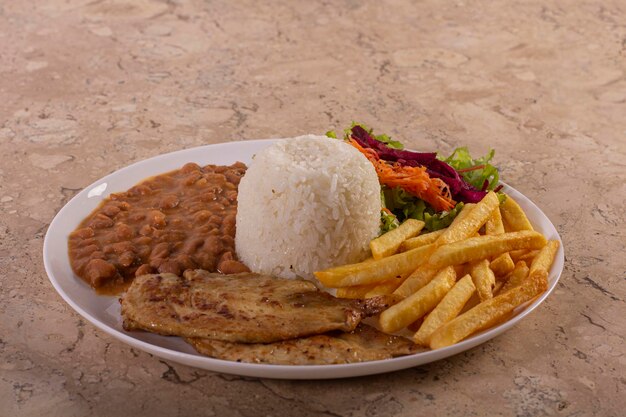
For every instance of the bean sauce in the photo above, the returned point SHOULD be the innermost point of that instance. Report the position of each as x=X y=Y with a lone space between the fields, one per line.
x=184 y=219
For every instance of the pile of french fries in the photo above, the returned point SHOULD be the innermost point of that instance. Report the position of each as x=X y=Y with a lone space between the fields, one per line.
x=456 y=281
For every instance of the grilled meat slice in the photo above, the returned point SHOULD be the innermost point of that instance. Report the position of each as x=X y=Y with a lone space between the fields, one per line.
x=365 y=343
x=247 y=307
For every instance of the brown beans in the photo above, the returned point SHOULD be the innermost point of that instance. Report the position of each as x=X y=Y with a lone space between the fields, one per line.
x=143 y=270
x=100 y=221
x=123 y=231
x=110 y=210
x=156 y=219
x=168 y=201
x=99 y=270
x=184 y=219
x=84 y=233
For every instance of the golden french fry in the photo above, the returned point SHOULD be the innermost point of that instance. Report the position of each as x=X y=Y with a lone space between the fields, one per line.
x=418 y=279
x=502 y=265
x=494 y=225
x=376 y=271
x=356 y=291
x=482 y=316
x=483 y=278
x=385 y=288
x=515 y=254
x=388 y=243
x=517 y=277
x=449 y=307
x=431 y=237
x=417 y=305
x=425 y=273
x=540 y=268
x=529 y=256
x=476 y=248
x=470 y=223
x=514 y=216
x=421 y=240
x=497 y=288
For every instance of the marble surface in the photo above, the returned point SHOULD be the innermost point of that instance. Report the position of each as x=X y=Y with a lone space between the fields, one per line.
x=88 y=86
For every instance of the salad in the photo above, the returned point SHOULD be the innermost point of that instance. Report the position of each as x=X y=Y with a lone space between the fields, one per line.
x=423 y=185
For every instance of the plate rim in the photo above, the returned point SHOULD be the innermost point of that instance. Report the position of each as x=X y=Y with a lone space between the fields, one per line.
x=282 y=371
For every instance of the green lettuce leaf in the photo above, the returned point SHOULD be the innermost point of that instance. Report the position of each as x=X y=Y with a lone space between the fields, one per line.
x=462 y=160
x=406 y=206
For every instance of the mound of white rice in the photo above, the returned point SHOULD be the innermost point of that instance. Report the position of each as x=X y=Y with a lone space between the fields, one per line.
x=306 y=204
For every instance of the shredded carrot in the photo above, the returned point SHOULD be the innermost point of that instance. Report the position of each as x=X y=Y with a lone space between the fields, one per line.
x=474 y=168
x=414 y=180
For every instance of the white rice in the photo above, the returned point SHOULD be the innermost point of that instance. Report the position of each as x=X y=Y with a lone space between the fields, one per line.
x=306 y=204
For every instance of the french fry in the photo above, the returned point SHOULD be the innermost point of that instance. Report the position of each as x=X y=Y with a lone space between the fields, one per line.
x=449 y=307
x=388 y=243
x=529 y=256
x=502 y=265
x=483 y=279
x=497 y=288
x=385 y=288
x=425 y=273
x=482 y=316
x=470 y=223
x=356 y=291
x=376 y=271
x=420 y=277
x=421 y=240
x=494 y=225
x=514 y=216
x=417 y=305
x=516 y=277
x=540 y=268
x=476 y=248
x=516 y=254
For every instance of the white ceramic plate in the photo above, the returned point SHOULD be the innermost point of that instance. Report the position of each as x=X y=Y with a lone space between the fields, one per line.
x=103 y=311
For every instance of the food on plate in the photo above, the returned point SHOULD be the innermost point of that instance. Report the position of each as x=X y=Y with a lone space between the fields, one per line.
x=355 y=291
x=502 y=265
x=484 y=278
x=417 y=242
x=540 y=267
x=449 y=307
x=418 y=304
x=248 y=307
x=183 y=219
x=306 y=204
x=443 y=311
x=364 y=343
x=494 y=225
x=514 y=216
x=376 y=271
x=420 y=185
x=390 y=242
x=421 y=240
x=481 y=247
x=516 y=277
x=484 y=315
x=385 y=288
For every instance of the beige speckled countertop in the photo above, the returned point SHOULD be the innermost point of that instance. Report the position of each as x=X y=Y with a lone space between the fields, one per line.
x=87 y=87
